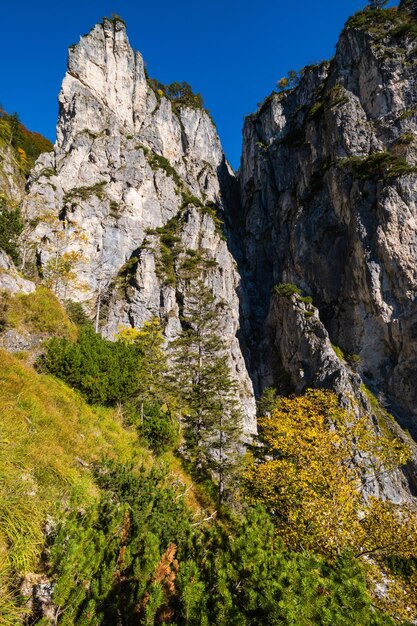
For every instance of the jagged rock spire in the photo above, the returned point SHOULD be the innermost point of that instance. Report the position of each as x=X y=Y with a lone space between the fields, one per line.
x=129 y=161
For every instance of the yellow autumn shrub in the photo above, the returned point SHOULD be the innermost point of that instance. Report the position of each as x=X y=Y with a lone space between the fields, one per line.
x=316 y=456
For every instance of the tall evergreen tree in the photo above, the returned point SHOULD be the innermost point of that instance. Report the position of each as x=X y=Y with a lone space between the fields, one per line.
x=149 y=404
x=206 y=391
x=149 y=342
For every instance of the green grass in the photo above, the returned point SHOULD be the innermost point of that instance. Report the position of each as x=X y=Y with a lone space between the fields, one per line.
x=38 y=312
x=48 y=172
x=316 y=110
x=353 y=360
x=386 y=421
x=49 y=439
x=339 y=352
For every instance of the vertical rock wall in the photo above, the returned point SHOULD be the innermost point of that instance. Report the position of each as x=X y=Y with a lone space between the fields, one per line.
x=131 y=167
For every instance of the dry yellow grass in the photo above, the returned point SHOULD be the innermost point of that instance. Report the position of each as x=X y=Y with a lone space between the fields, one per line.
x=38 y=312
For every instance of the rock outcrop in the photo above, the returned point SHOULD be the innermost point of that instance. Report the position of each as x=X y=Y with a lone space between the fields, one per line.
x=298 y=349
x=136 y=185
x=329 y=191
x=10 y=279
x=12 y=182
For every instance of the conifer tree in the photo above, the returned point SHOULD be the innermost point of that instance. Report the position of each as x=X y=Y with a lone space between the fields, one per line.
x=205 y=389
x=151 y=399
x=153 y=364
x=14 y=127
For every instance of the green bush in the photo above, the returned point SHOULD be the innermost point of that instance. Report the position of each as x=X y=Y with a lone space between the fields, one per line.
x=111 y=564
x=378 y=23
x=157 y=428
x=406 y=29
x=105 y=372
x=156 y=161
x=137 y=557
x=337 y=96
x=77 y=314
x=287 y=290
x=378 y=166
x=169 y=248
x=407 y=113
x=406 y=138
x=84 y=193
x=188 y=198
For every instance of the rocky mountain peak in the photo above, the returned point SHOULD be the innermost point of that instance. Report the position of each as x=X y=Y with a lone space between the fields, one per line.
x=104 y=73
x=137 y=186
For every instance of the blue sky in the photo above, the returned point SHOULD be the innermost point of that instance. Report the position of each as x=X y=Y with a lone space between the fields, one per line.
x=232 y=51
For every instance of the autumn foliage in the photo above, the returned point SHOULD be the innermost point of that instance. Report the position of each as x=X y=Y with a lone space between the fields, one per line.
x=317 y=461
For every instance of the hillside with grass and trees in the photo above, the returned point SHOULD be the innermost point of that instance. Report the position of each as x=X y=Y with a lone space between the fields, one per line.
x=207 y=380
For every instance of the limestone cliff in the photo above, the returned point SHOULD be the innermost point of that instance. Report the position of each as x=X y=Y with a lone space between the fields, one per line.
x=137 y=186
x=329 y=192
x=12 y=182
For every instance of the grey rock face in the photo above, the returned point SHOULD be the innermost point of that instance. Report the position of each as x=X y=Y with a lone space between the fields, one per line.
x=127 y=164
x=329 y=204
x=296 y=343
x=12 y=184
x=10 y=279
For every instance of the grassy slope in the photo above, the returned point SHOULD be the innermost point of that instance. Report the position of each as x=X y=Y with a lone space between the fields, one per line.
x=49 y=438
x=37 y=313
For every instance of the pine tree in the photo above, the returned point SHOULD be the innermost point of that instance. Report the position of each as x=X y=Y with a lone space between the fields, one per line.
x=14 y=127
x=205 y=389
x=149 y=405
x=149 y=342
